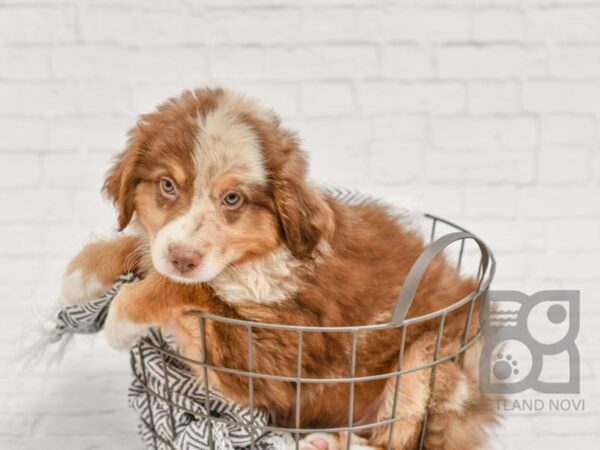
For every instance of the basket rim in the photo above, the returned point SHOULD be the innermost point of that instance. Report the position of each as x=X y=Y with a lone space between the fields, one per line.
x=314 y=380
x=483 y=286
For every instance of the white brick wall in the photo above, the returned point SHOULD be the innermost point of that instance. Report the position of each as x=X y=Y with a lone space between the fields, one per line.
x=485 y=111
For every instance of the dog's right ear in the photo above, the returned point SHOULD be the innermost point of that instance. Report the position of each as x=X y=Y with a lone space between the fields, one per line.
x=305 y=217
x=120 y=182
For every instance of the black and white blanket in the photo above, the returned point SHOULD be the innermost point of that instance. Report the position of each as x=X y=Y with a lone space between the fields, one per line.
x=174 y=406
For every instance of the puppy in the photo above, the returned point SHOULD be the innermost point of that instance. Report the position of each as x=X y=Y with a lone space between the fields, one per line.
x=228 y=225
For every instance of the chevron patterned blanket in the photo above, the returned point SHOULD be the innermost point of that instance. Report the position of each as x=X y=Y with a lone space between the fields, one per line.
x=171 y=405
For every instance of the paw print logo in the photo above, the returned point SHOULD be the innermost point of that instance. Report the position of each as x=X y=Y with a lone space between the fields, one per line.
x=521 y=332
x=511 y=362
x=505 y=366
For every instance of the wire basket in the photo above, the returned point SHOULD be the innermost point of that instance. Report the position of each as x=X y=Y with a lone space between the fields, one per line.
x=468 y=251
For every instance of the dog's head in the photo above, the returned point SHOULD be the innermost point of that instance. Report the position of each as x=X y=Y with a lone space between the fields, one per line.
x=215 y=181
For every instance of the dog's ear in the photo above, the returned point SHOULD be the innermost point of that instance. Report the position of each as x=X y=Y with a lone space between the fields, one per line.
x=305 y=217
x=120 y=182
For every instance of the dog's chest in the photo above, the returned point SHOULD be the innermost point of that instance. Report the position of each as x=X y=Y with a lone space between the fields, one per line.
x=269 y=279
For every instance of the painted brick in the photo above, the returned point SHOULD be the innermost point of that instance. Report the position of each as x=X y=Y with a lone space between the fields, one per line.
x=490 y=61
x=33 y=206
x=564 y=24
x=576 y=61
x=233 y=62
x=494 y=97
x=78 y=171
x=562 y=96
x=25 y=63
x=45 y=99
x=489 y=167
x=407 y=61
x=321 y=61
x=113 y=23
x=20 y=171
x=87 y=133
x=327 y=99
x=482 y=111
x=388 y=97
x=490 y=201
x=574 y=234
x=568 y=130
x=23 y=134
x=408 y=23
x=26 y=24
x=337 y=149
x=21 y=240
x=396 y=162
x=498 y=24
x=557 y=202
x=479 y=133
x=329 y=24
x=565 y=165
x=253 y=26
x=402 y=127
x=92 y=61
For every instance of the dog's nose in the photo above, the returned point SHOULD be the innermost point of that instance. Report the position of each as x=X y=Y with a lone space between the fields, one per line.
x=184 y=259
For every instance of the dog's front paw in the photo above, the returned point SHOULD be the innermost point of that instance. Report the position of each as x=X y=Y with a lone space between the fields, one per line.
x=333 y=441
x=78 y=287
x=320 y=441
x=121 y=333
x=96 y=267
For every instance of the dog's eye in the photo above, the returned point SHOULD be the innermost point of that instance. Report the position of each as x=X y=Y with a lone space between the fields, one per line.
x=167 y=186
x=232 y=199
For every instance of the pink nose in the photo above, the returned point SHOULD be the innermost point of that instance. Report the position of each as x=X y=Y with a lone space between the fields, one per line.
x=184 y=259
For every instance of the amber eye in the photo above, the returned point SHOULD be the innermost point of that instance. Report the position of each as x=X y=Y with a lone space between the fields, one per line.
x=232 y=199
x=168 y=187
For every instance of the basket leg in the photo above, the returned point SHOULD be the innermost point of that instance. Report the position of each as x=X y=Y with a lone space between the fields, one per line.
x=436 y=352
x=298 y=411
x=433 y=226
x=250 y=388
x=396 y=388
x=460 y=255
x=205 y=373
x=351 y=398
x=460 y=357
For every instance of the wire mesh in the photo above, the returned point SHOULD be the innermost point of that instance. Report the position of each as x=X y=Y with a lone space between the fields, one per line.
x=484 y=266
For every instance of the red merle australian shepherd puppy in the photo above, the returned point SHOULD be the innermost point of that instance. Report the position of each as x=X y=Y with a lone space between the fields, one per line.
x=226 y=223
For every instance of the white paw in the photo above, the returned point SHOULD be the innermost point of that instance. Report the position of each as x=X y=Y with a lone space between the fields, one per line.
x=320 y=441
x=77 y=289
x=331 y=441
x=122 y=334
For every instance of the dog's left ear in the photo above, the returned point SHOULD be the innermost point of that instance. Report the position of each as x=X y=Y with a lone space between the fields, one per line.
x=305 y=217
x=120 y=182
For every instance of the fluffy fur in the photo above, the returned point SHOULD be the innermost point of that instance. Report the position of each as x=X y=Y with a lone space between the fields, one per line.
x=285 y=253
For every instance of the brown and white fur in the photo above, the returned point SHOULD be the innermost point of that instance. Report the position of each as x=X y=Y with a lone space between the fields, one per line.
x=229 y=225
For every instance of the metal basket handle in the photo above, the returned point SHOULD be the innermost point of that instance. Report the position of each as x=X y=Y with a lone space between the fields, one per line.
x=413 y=280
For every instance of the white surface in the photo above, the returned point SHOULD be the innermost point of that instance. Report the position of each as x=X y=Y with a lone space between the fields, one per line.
x=485 y=111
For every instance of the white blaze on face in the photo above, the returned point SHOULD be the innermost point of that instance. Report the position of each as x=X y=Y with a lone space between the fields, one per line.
x=225 y=145
x=186 y=230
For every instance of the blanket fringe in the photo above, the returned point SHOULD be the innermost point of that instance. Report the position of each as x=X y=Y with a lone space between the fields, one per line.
x=40 y=331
